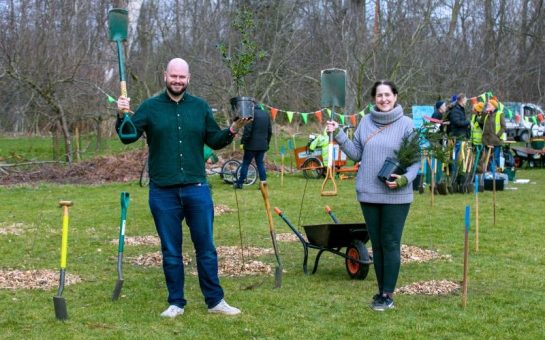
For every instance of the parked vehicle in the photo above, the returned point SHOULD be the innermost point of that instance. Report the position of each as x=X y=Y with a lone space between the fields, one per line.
x=523 y=121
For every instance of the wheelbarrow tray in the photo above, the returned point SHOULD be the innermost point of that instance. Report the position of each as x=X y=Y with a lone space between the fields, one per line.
x=336 y=235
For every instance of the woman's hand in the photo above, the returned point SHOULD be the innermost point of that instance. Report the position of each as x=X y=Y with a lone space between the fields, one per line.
x=399 y=182
x=331 y=126
x=392 y=184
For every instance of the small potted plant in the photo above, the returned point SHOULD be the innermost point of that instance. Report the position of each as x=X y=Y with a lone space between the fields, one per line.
x=241 y=62
x=407 y=154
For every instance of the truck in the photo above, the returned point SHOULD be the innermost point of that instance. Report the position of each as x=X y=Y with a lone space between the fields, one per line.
x=523 y=121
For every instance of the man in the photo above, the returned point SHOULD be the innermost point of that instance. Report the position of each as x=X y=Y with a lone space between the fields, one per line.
x=493 y=125
x=177 y=126
x=255 y=140
x=459 y=127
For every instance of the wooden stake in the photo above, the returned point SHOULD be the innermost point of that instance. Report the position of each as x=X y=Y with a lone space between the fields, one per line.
x=476 y=213
x=282 y=170
x=466 y=258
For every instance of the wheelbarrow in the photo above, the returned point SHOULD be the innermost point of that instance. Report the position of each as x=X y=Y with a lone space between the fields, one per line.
x=332 y=237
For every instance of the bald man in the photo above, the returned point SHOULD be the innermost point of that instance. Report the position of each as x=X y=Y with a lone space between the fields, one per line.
x=177 y=126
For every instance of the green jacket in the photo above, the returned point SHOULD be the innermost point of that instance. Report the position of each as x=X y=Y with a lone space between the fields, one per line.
x=176 y=134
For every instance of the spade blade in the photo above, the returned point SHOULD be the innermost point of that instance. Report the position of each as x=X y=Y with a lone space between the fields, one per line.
x=60 y=308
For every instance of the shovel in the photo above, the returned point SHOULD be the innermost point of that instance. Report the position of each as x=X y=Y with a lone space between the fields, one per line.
x=278 y=270
x=118 y=26
x=333 y=93
x=59 y=303
x=125 y=199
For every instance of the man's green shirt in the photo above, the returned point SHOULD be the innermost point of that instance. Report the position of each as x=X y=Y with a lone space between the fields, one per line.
x=176 y=133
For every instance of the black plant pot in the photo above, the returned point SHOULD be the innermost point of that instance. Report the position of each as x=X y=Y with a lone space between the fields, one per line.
x=242 y=107
x=390 y=166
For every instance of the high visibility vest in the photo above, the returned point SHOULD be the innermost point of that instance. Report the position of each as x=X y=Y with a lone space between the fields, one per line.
x=497 y=125
x=476 y=131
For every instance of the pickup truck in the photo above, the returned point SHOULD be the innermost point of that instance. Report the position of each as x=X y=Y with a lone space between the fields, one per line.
x=523 y=121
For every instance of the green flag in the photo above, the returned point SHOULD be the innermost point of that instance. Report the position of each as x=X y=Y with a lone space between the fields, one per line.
x=304 y=115
x=290 y=115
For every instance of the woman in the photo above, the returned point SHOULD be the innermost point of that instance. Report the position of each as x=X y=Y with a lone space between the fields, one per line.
x=385 y=205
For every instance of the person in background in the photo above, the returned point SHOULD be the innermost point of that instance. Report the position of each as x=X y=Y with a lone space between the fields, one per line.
x=440 y=109
x=178 y=125
x=439 y=113
x=493 y=125
x=459 y=126
x=255 y=141
x=386 y=205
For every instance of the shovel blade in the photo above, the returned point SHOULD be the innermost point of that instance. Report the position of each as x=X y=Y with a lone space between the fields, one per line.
x=333 y=87
x=117 y=290
x=278 y=277
x=60 y=308
x=118 y=24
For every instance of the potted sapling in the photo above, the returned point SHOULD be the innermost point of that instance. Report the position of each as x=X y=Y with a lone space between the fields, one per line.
x=407 y=154
x=240 y=63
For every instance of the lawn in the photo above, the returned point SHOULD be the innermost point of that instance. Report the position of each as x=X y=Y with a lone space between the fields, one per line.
x=505 y=276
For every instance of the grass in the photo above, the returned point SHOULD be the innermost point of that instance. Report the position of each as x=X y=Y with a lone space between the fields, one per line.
x=505 y=277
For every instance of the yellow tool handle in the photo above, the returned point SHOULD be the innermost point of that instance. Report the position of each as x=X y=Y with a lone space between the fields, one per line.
x=64 y=242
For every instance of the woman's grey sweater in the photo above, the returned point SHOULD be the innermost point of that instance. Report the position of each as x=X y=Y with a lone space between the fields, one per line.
x=371 y=155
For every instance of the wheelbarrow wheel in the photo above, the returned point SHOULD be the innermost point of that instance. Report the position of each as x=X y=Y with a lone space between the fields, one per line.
x=357 y=270
x=312 y=168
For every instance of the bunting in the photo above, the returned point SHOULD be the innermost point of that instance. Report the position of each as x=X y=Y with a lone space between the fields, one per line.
x=341 y=117
x=290 y=115
x=318 y=115
x=305 y=117
x=273 y=113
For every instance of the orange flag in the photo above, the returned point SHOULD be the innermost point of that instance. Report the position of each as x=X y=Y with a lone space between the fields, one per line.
x=353 y=119
x=274 y=111
x=318 y=115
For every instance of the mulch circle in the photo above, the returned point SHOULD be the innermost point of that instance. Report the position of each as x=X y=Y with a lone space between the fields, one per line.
x=14 y=229
x=433 y=287
x=231 y=261
x=415 y=254
x=34 y=279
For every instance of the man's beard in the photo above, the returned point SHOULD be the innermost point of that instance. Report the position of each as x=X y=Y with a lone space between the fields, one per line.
x=175 y=93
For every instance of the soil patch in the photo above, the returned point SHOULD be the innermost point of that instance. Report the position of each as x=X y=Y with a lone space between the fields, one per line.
x=34 y=279
x=125 y=167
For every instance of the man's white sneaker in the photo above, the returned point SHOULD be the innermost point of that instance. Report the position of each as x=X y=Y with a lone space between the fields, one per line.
x=224 y=308
x=172 y=311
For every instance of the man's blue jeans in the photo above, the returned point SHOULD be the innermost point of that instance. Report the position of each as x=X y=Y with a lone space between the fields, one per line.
x=169 y=206
x=247 y=159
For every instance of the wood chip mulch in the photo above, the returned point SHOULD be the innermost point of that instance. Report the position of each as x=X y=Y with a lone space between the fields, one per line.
x=287 y=237
x=154 y=259
x=415 y=254
x=14 y=229
x=230 y=261
x=148 y=240
x=220 y=209
x=34 y=279
x=434 y=287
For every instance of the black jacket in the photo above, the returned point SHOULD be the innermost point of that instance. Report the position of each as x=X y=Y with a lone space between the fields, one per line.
x=257 y=135
x=459 y=124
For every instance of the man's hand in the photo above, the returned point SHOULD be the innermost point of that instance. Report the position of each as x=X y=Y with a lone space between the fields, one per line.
x=239 y=123
x=123 y=105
